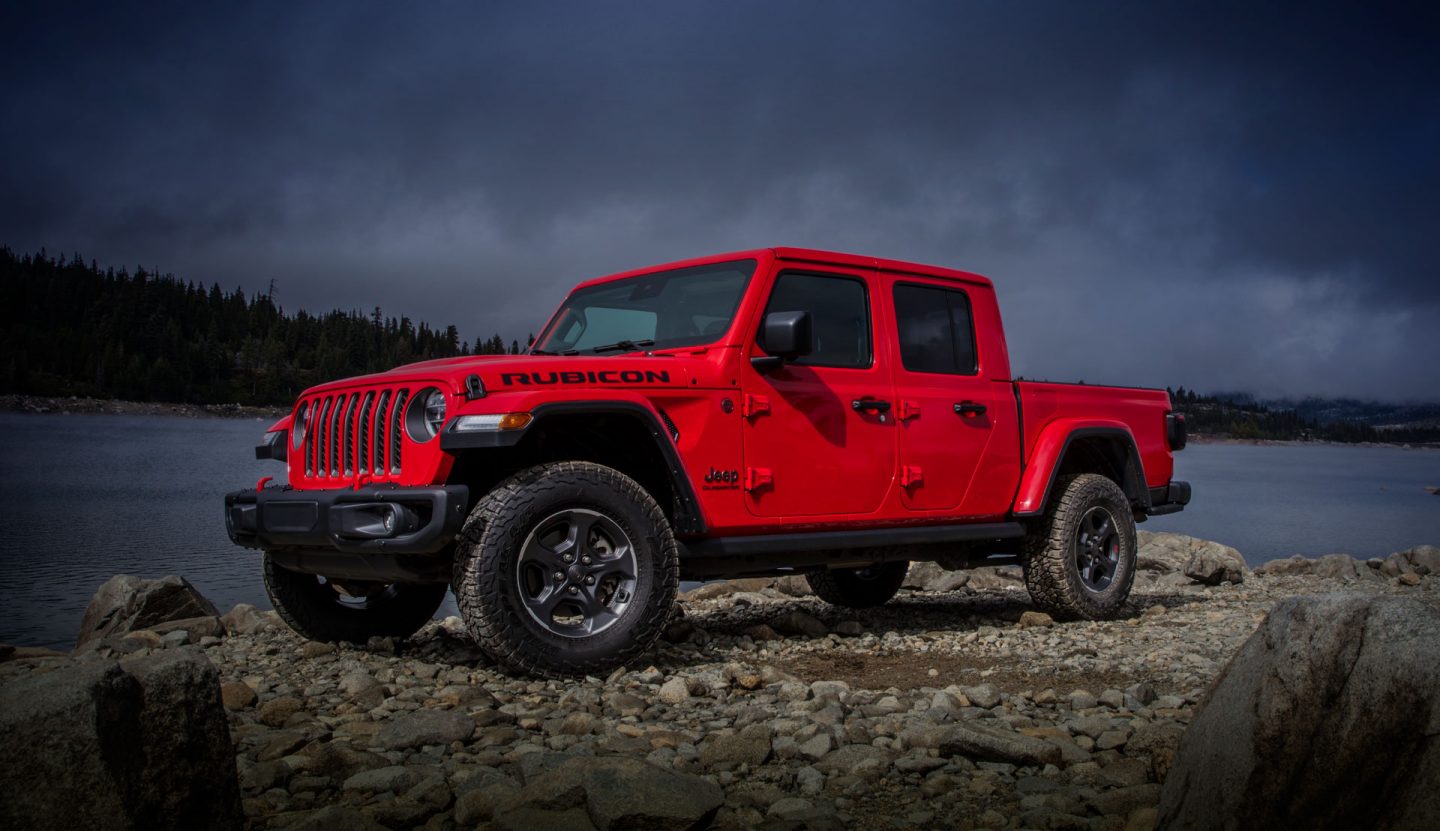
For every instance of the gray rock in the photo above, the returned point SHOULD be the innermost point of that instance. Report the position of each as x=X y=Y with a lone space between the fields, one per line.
x=332 y=817
x=930 y=577
x=613 y=792
x=1200 y=560
x=1295 y=565
x=857 y=759
x=1292 y=735
x=394 y=779
x=723 y=751
x=140 y=744
x=975 y=741
x=422 y=727
x=799 y=623
x=675 y=691
x=244 y=619
x=126 y=603
x=1341 y=567
x=983 y=695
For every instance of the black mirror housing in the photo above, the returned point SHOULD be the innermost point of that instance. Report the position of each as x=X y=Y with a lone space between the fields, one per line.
x=788 y=335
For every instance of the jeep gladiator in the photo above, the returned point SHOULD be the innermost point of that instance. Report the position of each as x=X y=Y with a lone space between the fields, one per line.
x=764 y=412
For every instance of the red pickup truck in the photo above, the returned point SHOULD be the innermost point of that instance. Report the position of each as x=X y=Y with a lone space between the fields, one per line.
x=773 y=411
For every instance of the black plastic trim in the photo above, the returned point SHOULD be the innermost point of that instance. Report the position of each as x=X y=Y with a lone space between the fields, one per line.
x=276 y=446
x=688 y=518
x=1170 y=499
x=770 y=553
x=284 y=518
x=1140 y=498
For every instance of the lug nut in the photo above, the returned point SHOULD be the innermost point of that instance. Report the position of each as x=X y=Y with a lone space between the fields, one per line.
x=590 y=581
x=574 y=589
x=559 y=576
x=569 y=558
x=585 y=559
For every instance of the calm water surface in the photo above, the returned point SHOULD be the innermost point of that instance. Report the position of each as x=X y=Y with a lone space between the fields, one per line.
x=85 y=497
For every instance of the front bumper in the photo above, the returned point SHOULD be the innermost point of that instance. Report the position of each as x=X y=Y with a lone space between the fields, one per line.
x=375 y=520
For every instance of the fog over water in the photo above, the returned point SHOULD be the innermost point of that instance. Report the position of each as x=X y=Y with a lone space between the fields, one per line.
x=86 y=497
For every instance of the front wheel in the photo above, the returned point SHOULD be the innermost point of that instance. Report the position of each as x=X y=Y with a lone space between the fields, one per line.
x=1080 y=560
x=859 y=588
x=353 y=611
x=567 y=568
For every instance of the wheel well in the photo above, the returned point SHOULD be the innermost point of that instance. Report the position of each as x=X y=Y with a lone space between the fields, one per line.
x=615 y=439
x=1110 y=456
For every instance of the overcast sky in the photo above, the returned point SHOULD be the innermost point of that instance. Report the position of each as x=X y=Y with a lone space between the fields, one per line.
x=1228 y=198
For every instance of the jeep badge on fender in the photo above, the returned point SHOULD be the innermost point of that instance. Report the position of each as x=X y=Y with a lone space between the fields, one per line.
x=867 y=406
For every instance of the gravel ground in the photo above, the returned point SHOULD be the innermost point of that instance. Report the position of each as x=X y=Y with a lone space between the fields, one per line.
x=940 y=709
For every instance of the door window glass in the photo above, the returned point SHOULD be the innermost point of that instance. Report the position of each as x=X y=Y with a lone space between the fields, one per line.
x=936 y=328
x=839 y=310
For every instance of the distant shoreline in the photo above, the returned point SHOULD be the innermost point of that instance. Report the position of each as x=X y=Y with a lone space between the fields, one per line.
x=1203 y=438
x=42 y=405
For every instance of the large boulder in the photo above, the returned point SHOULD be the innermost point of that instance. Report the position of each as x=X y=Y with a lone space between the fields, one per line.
x=1290 y=566
x=140 y=744
x=1325 y=719
x=611 y=792
x=127 y=603
x=1422 y=560
x=1201 y=560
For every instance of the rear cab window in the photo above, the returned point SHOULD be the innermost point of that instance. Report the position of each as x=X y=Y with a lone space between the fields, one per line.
x=936 y=329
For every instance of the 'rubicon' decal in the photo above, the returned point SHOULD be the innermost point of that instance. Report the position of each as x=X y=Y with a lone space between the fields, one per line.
x=604 y=376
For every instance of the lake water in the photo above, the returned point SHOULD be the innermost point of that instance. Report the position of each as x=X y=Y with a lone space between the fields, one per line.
x=85 y=497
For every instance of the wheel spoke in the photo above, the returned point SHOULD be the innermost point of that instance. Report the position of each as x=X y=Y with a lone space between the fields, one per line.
x=544 y=604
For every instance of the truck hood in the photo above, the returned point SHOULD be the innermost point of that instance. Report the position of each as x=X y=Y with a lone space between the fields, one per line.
x=511 y=373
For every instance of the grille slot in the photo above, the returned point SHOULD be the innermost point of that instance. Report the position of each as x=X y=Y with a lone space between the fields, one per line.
x=397 y=425
x=355 y=433
x=382 y=435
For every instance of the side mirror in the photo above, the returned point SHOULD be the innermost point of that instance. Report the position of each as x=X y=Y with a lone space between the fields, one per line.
x=786 y=336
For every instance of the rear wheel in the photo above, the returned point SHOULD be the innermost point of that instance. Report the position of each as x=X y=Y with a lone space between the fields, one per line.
x=859 y=588
x=1080 y=560
x=567 y=568
x=353 y=611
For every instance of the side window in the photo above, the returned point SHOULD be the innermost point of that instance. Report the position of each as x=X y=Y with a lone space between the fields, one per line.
x=937 y=332
x=839 y=310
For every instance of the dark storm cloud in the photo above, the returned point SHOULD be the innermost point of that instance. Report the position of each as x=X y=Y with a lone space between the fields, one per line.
x=1228 y=197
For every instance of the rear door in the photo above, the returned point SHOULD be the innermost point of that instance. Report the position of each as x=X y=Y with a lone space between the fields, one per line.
x=944 y=408
x=819 y=437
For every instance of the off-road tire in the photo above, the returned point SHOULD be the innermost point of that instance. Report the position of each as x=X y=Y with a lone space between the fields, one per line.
x=1052 y=571
x=487 y=569
x=316 y=611
x=859 y=588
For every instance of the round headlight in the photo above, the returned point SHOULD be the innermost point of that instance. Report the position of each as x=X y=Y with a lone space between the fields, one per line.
x=425 y=415
x=298 y=425
x=434 y=411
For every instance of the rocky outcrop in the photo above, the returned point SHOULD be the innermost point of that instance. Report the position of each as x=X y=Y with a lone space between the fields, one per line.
x=1203 y=561
x=1408 y=566
x=127 y=603
x=1326 y=719
x=139 y=744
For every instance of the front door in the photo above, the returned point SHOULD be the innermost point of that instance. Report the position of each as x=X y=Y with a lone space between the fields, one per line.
x=819 y=434
x=944 y=408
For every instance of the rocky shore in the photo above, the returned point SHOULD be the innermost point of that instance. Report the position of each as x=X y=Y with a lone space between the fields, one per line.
x=105 y=406
x=953 y=706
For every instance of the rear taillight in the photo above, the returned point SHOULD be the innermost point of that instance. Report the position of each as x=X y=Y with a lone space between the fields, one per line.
x=1175 y=434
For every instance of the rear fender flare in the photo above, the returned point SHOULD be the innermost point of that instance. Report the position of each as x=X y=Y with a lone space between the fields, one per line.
x=1043 y=468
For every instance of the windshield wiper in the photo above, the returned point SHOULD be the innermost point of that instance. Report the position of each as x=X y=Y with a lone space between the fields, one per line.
x=547 y=352
x=622 y=346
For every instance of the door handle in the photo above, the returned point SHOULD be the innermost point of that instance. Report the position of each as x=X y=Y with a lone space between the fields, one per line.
x=969 y=409
x=871 y=404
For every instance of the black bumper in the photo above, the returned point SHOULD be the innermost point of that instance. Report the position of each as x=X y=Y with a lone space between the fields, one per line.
x=1170 y=499
x=379 y=520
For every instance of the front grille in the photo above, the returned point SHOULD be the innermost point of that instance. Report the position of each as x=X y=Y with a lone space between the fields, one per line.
x=354 y=434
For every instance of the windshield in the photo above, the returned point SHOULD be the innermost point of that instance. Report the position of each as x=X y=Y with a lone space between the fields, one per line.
x=684 y=307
